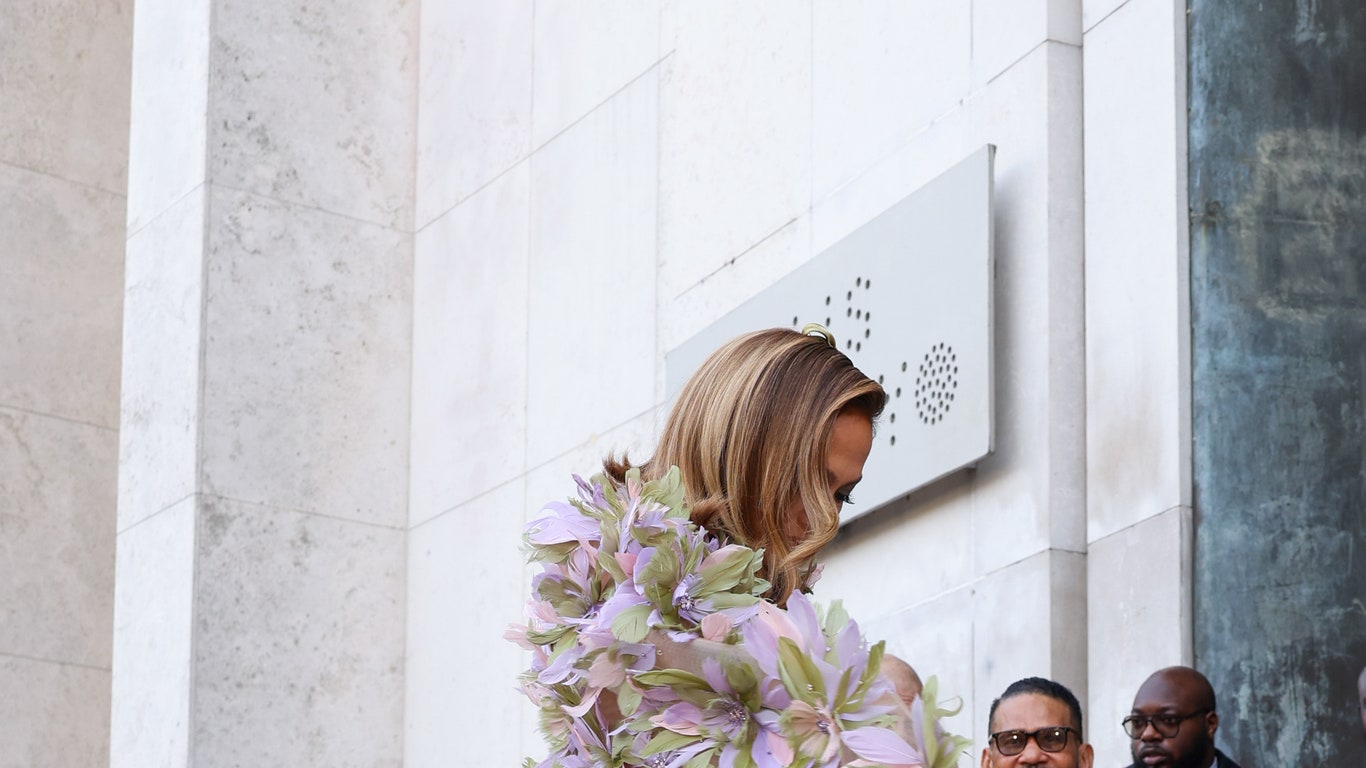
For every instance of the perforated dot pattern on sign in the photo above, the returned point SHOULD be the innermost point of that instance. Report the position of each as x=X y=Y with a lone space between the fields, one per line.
x=936 y=383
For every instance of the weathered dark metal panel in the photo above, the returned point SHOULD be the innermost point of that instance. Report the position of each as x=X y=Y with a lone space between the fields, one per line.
x=1278 y=296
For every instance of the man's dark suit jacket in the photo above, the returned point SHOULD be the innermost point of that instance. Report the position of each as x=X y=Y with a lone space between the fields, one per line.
x=1221 y=760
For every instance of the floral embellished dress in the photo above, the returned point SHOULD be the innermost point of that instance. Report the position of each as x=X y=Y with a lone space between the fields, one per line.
x=651 y=645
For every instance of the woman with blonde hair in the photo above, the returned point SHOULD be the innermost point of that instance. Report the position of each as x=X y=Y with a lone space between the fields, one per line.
x=668 y=626
x=770 y=436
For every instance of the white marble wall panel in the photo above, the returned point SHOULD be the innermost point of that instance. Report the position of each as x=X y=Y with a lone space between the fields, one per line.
x=53 y=714
x=669 y=11
x=57 y=497
x=61 y=279
x=1030 y=620
x=1035 y=476
x=705 y=302
x=64 y=98
x=162 y=329
x=587 y=50
x=474 y=113
x=882 y=71
x=1094 y=12
x=591 y=338
x=1004 y=31
x=168 y=124
x=466 y=583
x=918 y=549
x=153 y=604
x=306 y=368
x=1139 y=617
x=469 y=348
x=554 y=480
x=735 y=133
x=298 y=651
x=1137 y=298
x=313 y=104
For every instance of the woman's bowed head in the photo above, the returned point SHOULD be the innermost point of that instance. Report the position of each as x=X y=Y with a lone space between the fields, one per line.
x=770 y=434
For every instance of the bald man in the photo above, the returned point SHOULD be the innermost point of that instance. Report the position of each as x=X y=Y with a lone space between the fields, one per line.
x=1173 y=722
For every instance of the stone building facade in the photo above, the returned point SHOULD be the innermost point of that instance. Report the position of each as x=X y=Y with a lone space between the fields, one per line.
x=304 y=309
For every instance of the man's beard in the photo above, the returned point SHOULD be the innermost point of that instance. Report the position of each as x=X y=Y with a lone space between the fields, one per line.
x=1192 y=759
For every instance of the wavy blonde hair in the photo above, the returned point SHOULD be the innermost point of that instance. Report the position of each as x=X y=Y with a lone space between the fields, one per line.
x=749 y=433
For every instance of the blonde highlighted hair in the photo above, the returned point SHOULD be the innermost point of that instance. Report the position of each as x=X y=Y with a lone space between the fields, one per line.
x=749 y=433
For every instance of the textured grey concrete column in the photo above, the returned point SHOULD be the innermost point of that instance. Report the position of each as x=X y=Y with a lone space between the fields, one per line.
x=1278 y=291
x=63 y=151
x=259 y=607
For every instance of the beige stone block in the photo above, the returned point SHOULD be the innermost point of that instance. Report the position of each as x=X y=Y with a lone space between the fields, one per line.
x=735 y=133
x=1139 y=609
x=52 y=715
x=61 y=290
x=163 y=330
x=64 y=97
x=153 y=624
x=315 y=104
x=591 y=334
x=469 y=348
x=474 y=117
x=587 y=50
x=169 y=122
x=467 y=581
x=882 y=72
x=57 y=496
x=1138 y=434
x=306 y=367
x=298 y=651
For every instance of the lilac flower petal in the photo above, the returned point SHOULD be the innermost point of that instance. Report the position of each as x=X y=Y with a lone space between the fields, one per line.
x=849 y=648
x=799 y=608
x=762 y=643
x=881 y=745
x=715 y=675
x=564 y=523
x=562 y=668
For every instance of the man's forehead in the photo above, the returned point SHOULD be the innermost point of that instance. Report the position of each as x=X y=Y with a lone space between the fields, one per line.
x=1030 y=711
x=1166 y=693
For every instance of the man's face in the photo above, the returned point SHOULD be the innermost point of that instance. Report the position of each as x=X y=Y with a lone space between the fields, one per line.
x=1033 y=712
x=1193 y=744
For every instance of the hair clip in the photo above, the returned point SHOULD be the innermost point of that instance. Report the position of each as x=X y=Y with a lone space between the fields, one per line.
x=816 y=329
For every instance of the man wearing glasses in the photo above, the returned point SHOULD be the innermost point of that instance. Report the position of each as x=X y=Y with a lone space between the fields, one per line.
x=1035 y=722
x=1173 y=722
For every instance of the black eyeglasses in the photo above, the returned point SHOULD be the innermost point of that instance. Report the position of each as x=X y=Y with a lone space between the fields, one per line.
x=1051 y=739
x=1166 y=726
